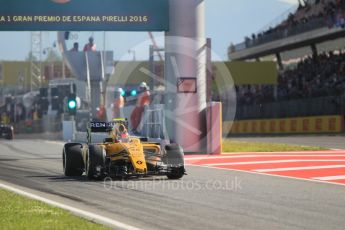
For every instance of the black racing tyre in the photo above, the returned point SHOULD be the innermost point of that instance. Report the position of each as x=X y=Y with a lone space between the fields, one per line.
x=72 y=159
x=175 y=161
x=173 y=147
x=95 y=159
x=174 y=155
x=175 y=173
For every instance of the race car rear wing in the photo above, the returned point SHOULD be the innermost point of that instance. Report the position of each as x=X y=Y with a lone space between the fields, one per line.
x=104 y=127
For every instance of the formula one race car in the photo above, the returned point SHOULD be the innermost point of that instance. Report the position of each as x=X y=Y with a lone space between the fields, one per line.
x=6 y=131
x=121 y=155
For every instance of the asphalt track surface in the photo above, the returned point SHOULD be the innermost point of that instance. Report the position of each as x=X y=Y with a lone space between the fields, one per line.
x=207 y=198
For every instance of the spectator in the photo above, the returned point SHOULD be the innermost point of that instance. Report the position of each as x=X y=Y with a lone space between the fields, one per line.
x=101 y=113
x=118 y=104
x=321 y=76
x=142 y=101
x=333 y=12
x=75 y=47
x=91 y=46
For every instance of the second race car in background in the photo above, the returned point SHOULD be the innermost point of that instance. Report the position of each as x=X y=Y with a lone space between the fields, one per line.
x=6 y=131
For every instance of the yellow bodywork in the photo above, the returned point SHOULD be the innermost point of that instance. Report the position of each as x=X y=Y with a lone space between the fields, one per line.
x=133 y=151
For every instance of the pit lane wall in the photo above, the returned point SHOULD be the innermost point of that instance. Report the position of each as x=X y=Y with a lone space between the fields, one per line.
x=297 y=125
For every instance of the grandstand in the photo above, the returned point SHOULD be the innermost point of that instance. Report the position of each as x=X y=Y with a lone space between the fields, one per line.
x=323 y=19
x=309 y=49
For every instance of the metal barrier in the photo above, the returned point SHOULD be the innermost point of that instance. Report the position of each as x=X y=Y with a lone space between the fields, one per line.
x=153 y=123
x=46 y=124
x=293 y=108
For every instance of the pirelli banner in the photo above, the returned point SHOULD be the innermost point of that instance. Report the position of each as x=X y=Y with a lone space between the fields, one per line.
x=84 y=15
x=300 y=125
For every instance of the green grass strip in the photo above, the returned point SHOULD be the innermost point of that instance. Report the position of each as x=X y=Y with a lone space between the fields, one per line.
x=230 y=146
x=18 y=212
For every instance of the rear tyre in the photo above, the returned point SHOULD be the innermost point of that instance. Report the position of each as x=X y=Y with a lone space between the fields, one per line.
x=175 y=161
x=95 y=163
x=72 y=161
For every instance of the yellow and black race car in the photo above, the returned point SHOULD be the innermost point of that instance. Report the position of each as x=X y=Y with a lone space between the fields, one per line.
x=6 y=131
x=121 y=155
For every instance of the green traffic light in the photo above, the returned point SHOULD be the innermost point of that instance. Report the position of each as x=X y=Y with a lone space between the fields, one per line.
x=134 y=93
x=72 y=104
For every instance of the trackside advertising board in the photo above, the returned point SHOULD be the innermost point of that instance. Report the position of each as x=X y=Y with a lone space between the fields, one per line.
x=84 y=15
x=297 y=125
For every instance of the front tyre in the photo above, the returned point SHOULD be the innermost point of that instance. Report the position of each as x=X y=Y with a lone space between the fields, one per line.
x=72 y=160
x=95 y=163
x=175 y=161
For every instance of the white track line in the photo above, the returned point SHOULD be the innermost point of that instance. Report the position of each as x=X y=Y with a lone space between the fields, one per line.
x=263 y=155
x=299 y=168
x=55 y=142
x=271 y=162
x=328 y=178
x=85 y=214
